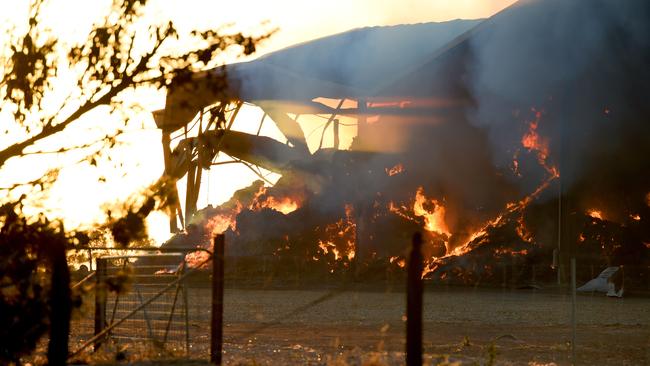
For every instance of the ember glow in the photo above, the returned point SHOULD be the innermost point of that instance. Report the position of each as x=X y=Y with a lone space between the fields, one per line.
x=504 y=251
x=399 y=168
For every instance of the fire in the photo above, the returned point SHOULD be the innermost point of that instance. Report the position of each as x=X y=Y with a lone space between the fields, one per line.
x=217 y=224
x=400 y=262
x=263 y=199
x=515 y=164
x=531 y=139
x=285 y=205
x=341 y=237
x=635 y=217
x=328 y=246
x=523 y=231
x=226 y=218
x=533 y=142
x=596 y=214
x=350 y=226
x=399 y=210
x=399 y=168
x=434 y=220
x=195 y=259
x=220 y=223
x=502 y=251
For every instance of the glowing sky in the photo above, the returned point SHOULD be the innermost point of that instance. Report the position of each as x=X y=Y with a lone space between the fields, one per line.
x=78 y=196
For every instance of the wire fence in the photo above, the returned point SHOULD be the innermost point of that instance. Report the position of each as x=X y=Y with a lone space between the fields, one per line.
x=290 y=315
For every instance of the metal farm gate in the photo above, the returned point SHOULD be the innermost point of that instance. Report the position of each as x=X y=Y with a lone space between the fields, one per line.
x=162 y=323
x=146 y=304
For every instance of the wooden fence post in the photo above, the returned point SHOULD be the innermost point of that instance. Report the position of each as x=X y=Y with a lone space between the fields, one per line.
x=100 y=299
x=414 y=291
x=216 y=341
x=61 y=305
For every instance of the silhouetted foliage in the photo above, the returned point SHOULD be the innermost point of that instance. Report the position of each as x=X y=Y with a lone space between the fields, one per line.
x=116 y=56
x=26 y=246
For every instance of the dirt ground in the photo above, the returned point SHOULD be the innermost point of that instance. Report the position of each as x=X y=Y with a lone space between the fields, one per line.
x=465 y=325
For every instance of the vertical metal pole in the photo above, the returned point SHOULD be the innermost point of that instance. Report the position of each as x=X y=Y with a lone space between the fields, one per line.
x=573 y=310
x=150 y=333
x=414 y=304
x=362 y=120
x=166 y=141
x=559 y=232
x=335 y=130
x=100 y=299
x=187 y=321
x=216 y=345
x=185 y=289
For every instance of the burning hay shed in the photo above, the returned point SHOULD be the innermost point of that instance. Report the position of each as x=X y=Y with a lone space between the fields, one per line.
x=497 y=138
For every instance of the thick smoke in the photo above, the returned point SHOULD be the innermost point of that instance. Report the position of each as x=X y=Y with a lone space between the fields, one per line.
x=584 y=63
x=352 y=63
x=577 y=68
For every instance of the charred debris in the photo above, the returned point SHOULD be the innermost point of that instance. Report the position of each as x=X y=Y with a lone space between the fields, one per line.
x=510 y=146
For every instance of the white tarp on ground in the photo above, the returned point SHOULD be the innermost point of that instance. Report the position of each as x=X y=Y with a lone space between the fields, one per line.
x=603 y=283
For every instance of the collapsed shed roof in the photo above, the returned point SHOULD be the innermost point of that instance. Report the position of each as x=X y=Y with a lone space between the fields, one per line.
x=527 y=45
x=352 y=64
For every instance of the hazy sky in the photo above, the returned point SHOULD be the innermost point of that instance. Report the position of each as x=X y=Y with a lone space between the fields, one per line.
x=78 y=196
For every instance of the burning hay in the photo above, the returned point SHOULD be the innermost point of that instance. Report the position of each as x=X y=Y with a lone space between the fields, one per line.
x=495 y=168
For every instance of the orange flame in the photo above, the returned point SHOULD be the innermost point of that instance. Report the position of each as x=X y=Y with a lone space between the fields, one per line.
x=596 y=214
x=523 y=231
x=285 y=205
x=434 y=220
x=220 y=223
x=341 y=237
x=227 y=218
x=400 y=262
x=532 y=141
x=195 y=259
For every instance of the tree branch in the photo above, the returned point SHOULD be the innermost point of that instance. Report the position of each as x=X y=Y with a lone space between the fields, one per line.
x=48 y=130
